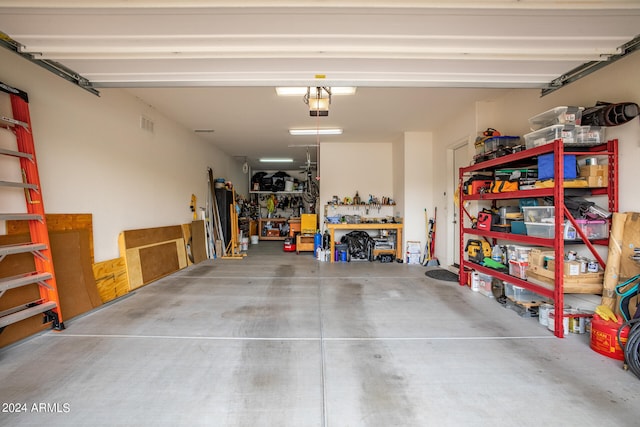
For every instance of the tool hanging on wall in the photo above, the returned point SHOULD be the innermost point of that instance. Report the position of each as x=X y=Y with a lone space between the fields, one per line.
x=192 y=206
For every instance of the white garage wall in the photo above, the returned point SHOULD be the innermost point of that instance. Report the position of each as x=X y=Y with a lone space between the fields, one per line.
x=348 y=167
x=418 y=185
x=93 y=157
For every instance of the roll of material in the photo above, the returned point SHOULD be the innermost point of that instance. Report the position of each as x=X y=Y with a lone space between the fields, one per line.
x=612 y=270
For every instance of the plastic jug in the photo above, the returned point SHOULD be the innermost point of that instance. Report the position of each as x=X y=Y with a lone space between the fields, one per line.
x=496 y=254
x=569 y=231
x=317 y=243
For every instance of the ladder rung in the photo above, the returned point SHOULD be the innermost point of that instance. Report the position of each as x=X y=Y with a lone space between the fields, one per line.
x=20 y=216
x=21 y=248
x=23 y=279
x=14 y=122
x=25 y=313
x=16 y=153
x=18 y=184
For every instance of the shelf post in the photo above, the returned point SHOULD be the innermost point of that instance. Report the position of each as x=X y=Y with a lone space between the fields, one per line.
x=558 y=288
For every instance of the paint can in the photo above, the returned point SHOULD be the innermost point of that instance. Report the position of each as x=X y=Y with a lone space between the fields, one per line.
x=244 y=244
x=592 y=266
x=578 y=325
x=583 y=264
x=543 y=313
x=591 y=161
x=551 y=324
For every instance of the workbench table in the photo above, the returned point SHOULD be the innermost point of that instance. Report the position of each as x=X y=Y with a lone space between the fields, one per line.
x=366 y=226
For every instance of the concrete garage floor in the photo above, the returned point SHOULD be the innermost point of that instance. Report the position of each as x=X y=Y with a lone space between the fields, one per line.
x=278 y=339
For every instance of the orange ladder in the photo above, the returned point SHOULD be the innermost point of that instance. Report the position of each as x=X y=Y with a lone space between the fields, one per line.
x=49 y=303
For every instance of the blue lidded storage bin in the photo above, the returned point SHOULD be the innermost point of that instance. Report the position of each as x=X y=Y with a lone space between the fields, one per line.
x=545 y=166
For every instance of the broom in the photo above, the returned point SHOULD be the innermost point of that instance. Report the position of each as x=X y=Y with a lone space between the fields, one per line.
x=431 y=260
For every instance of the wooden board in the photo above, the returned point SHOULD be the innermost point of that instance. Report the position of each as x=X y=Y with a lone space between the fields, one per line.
x=74 y=276
x=111 y=279
x=152 y=253
x=186 y=236
x=571 y=286
x=198 y=241
x=59 y=222
x=13 y=265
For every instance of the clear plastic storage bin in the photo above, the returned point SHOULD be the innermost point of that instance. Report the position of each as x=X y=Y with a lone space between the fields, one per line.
x=594 y=229
x=589 y=135
x=495 y=142
x=566 y=133
x=538 y=229
x=557 y=116
x=536 y=214
x=516 y=293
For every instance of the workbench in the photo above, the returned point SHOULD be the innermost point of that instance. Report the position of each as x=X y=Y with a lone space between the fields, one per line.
x=366 y=226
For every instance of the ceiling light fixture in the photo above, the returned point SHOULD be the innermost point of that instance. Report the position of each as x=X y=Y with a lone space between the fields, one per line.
x=302 y=132
x=302 y=90
x=318 y=99
x=275 y=160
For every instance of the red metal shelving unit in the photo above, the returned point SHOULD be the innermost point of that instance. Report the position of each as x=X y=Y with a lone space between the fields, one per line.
x=556 y=292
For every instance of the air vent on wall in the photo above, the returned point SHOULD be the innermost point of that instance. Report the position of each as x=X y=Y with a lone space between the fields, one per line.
x=146 y=124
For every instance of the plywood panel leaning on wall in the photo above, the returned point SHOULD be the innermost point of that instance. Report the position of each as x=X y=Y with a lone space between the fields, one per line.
x=59 y=222
x=152 y=253
x=111 y=278
x=74 y=276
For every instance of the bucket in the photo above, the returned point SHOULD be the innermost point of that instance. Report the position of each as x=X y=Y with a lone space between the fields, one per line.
x=244 y=244
x=288 y=186
x=551 y=324
x=578 y=325
x=543 y=314
x=255 y=239
x=604 y=337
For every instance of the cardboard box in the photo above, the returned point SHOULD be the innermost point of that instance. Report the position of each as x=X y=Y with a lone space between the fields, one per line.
x=597 y=181
x=536 y=256
x=571 y=268
x=594 y=170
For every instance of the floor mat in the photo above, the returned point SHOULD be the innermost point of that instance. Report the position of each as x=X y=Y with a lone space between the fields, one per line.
x=442 y=274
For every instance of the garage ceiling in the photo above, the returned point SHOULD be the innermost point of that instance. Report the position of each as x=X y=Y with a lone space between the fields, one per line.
x=214 y=64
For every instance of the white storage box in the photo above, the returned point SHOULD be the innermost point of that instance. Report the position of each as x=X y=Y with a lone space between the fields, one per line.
x=566 y=133
x=557 y=116
x=535 y=214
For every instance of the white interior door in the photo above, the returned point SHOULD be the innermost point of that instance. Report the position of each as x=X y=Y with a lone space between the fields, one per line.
x=460 y=159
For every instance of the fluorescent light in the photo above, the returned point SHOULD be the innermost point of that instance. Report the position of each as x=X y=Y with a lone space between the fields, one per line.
x=272 y=160
x=298 y=132
x=300 y=91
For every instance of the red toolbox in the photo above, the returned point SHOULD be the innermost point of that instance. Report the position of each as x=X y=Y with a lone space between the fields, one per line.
x=289 y=244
